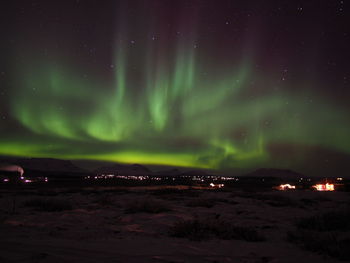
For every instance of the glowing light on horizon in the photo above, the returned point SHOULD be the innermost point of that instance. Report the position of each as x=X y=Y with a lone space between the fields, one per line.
x=324 y=187
x=286 y=187
x=216 y=185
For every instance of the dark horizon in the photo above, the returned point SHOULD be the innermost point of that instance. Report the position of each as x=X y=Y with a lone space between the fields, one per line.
x=66 y=167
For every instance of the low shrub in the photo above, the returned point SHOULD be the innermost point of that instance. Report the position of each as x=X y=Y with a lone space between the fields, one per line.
x=49 y=205
x=46 y=193
x=146 y=206
x=175 y=194
x=207 y=202
x=329 y=221
x=275 y=200
x=199 y=229
x=324 y=233
x=201 y=202
x=326 y=243
x=104 y=200
x=168 y=191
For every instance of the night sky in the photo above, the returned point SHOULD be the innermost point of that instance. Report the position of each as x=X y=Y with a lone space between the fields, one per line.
x=225 y=85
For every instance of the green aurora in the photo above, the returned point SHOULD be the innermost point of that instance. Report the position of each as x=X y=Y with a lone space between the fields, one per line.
x=177 y=105
x=175 y=119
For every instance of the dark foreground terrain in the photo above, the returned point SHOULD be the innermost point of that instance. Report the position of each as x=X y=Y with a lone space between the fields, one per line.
x=161 y=224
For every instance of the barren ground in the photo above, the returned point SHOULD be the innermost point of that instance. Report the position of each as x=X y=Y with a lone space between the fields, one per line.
x=137 y=225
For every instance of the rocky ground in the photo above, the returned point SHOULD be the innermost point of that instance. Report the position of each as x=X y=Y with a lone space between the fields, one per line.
x=173 y=225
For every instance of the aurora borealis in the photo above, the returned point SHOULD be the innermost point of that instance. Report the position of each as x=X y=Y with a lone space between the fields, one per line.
x=222 y=85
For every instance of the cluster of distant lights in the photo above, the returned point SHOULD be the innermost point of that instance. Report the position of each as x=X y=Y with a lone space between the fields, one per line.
x=210 y=177
x=282 y=187
x=27 y=180
x=155 y=178
x=301 y=180
x=318 y=187
x=124 y=177
x=216 y=185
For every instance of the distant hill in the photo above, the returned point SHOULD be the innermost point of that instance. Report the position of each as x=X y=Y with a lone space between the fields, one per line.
x=274 y=172
x=45 y=165
x=124 y=169
x=57 y=167
x=195 y=173
x=178 y=172
x=168 y=172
